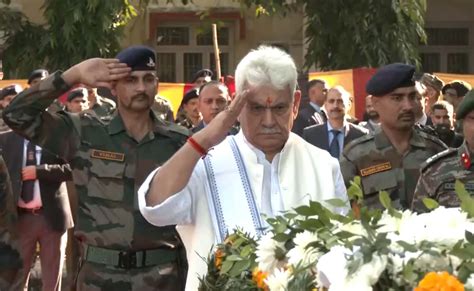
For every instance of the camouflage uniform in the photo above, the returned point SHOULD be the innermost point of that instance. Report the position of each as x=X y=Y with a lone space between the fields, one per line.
x=162 y=109
x=103 y=106
x=382 y=168
x=184 y=121
x=3 y=126
x=108 y=168
x=438 y=176
x=11 y=277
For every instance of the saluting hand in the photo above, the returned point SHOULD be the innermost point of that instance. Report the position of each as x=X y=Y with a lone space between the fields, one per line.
x=96 y=72
x=217 y=130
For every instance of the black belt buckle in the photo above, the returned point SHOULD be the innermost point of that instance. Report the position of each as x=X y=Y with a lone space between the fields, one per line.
x=127 y=260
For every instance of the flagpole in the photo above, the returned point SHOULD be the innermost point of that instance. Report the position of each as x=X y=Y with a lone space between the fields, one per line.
x=216 y=51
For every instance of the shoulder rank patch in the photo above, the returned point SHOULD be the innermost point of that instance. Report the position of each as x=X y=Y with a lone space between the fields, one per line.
x=104 y=155
x=376 y=169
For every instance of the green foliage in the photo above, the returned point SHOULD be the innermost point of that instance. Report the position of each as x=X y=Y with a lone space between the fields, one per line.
x=73 y=31
x=344 y=34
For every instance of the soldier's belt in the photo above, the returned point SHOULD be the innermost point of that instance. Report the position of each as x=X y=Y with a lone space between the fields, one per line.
x=129 y=259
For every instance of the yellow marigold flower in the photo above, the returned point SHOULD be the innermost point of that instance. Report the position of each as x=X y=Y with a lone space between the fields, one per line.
x=218 y=256
x=259 y=278
x=441 y=281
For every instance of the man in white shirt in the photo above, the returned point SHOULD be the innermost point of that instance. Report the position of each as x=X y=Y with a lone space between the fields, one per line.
x=264 y=169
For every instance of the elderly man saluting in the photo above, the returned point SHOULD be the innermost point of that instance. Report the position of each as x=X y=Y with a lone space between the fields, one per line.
x=264 y=169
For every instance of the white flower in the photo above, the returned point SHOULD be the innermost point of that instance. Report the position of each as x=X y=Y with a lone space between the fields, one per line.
x=353 y=227
x=265 y=252
x=278 y=281
x=443 y=226
x=470 y=283
x=301 y=254
x=332 y=266
x=333 y=273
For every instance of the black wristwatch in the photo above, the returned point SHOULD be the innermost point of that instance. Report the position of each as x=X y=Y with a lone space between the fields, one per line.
x=59 y=83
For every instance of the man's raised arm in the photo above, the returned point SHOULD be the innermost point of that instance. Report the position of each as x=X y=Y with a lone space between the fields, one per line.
x=174 y=175
x=26 y=114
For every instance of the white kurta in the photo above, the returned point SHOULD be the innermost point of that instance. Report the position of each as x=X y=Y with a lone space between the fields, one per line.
x=305 y=173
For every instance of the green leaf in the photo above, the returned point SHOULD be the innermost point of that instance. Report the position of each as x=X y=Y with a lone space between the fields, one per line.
x=470 y=237
x=408 y=247
x=384 y=198
x=246 y=251
x=430 y=203
x=226 y=266
x=233 y=258
x=282 y=237
x=305 y=211
x=337 y=202
x=467 y=202
x=238 y=268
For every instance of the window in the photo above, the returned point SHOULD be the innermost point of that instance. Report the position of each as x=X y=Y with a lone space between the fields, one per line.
x=224 y=58
x=185 y=48
x=172 y=36
x=166 y=64
x=205 y=37
x=430 y=62
x=192 y=64
x=448 y=36
x=458 y=63
x=449 y=48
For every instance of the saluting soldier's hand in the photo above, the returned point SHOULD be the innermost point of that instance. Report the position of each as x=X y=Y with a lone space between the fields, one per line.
x=217 y=130
x=28 y=173
x=96 y=72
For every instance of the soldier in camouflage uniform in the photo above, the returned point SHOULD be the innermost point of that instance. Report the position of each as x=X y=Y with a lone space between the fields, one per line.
x=189 y=115
x=440 y=172
x=162 y=108
x=111 y=157
x=10 y=260
x=100 y=105
x=6 y=96
x=389 y=159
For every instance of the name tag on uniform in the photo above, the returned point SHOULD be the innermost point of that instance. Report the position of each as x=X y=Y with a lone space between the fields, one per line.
x=104 y=155
x=375 y=169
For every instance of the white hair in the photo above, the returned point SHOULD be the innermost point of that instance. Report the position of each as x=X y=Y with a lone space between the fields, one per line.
x=266 y=66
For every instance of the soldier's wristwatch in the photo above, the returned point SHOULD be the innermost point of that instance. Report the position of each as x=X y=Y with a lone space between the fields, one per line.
x=59 y=83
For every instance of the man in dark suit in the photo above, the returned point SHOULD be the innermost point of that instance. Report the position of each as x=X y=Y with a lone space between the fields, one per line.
x=38 y=184
x=213 y=98
x=313 y=112
x=334 y=134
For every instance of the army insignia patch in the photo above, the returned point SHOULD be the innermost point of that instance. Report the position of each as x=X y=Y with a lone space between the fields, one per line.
x=104 y=155
x=150 y=63
x=375 y=169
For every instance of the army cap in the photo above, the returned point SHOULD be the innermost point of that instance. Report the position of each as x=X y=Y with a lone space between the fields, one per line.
x=191 y=94
x=432 y=81
x=138 y=58
x=13 y=89
x=39 y=73
x=79 y=92
x=459 y=86
x=202 y=73
x=466 y=105
x=389 y=78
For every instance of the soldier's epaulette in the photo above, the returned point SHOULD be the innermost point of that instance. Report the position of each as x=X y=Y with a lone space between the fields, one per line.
x=174 y=131
x=432 y=160
x=357 y=141
x=432 y=138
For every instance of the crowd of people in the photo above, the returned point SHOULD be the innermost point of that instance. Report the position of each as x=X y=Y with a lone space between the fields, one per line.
x=146 y=196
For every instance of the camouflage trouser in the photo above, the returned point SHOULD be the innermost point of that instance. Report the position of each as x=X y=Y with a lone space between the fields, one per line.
x=95 y=277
